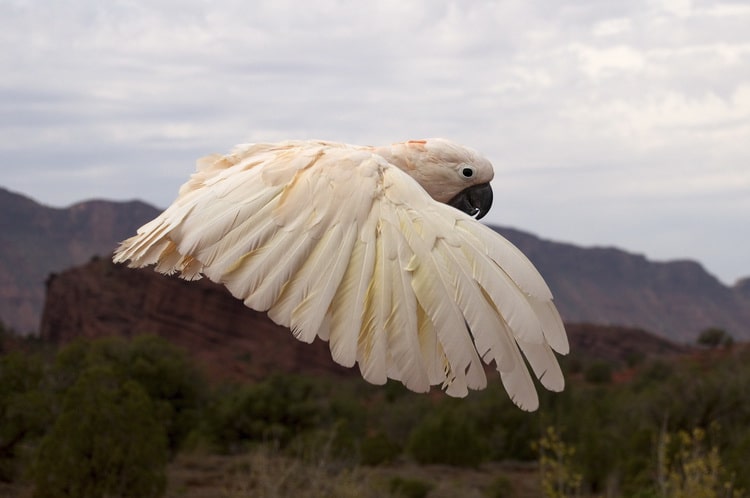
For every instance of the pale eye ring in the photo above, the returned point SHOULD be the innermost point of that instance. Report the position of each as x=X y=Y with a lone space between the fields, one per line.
x=467 y=172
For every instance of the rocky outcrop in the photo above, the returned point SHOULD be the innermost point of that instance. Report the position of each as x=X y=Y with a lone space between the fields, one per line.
x=228 y=339
x=101 y=299
x=619 y=345
x=36 y=240
x=676 y=300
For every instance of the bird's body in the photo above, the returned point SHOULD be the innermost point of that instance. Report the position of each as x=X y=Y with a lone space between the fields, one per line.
x=358 y=246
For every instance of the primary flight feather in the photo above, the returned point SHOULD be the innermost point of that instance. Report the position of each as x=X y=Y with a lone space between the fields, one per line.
x=373 y=249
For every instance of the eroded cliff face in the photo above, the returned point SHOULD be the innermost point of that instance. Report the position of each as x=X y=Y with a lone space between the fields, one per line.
x=231 y=341
x=228 y=339
x=676 y=300
x=36 y=240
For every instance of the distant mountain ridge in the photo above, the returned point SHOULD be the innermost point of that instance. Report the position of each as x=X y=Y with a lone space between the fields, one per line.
x=36 y=240
x=231 y=341
x=608 y=286
x=675 y=300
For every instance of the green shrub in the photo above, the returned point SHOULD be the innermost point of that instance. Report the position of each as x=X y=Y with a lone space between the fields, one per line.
x=377 y=449
x=25 y=409
x=500 y=487
x=106 y=442
x=161 y=369
x=715 y=337
x=598 y=372
x=506 y=431
x=409 y=488
x=275 y=410
x=448 y=436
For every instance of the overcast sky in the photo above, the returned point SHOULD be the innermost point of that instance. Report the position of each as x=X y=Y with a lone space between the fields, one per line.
x=623 y=123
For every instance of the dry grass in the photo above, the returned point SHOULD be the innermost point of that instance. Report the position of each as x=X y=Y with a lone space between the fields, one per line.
x=266 y=473
x=263 y=473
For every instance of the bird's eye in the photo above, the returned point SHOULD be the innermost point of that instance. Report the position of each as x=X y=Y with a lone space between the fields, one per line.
x=467 y=172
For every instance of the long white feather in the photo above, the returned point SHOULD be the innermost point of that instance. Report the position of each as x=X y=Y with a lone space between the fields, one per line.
x=431 y=287
x=372 y=354
x=544 y=364
x=401 y=325
x=323 y=281
x=348 y=305
x=337 y=242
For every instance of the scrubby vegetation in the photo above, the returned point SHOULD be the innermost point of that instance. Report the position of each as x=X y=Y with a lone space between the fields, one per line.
x=105 y=418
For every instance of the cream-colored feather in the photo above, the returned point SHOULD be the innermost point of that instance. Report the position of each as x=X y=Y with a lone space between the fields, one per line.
x=401 y=326
x=372 y=353
x=348 y=304
x=321 y=281
x=346 y=244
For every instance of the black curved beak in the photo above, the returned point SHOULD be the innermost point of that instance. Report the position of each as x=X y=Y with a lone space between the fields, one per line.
x=474 y=201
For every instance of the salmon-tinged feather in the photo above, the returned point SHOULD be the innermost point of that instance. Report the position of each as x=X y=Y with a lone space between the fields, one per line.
x=358 y=246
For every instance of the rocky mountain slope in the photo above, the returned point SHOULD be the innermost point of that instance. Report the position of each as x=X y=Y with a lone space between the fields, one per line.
x=231 y=341
x=597 y=285
x=603 y=285
x=103 y=299
x=37 y=240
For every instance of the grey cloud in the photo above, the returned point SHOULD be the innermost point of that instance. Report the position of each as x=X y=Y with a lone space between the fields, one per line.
x=590 y=110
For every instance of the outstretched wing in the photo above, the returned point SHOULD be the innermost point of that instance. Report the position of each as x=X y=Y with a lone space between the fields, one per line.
x=335 y=242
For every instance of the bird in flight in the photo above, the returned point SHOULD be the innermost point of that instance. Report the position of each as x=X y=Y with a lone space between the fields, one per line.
x=376 y=250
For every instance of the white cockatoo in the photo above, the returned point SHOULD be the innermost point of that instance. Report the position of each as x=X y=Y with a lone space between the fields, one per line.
x=373 y=249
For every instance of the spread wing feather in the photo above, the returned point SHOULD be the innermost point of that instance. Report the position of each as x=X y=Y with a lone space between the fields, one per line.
x=372 y=354
x=402 y=326
x=348 y=304
x=336 y=242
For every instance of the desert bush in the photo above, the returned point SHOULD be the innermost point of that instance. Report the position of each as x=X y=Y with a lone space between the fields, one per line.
x=277 y=410
x=24 y=409
x=500 y=487
x=559 y=475
x=409 y=488
x=598 y=372
x=506 y=431
x=689 y=466
x=715 y=337
x=378 y=448
x=173 y=384
x=106 y=442
x=448 y=436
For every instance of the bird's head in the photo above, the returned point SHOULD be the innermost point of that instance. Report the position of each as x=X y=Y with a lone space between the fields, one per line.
x=449 y=172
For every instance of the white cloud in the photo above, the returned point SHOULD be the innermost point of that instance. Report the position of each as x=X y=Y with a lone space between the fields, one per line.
x=610 y=61
x=611 y=27
x=590 y=110
x=679 y=8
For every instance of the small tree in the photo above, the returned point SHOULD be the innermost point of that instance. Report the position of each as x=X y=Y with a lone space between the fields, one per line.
x=559 y=477
x=693 y=469
x=449 y=437
x=599 y=372
x=715 y=337
x=25 y=411
x=164 y=372
x=106 y=441
x=278 y=409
